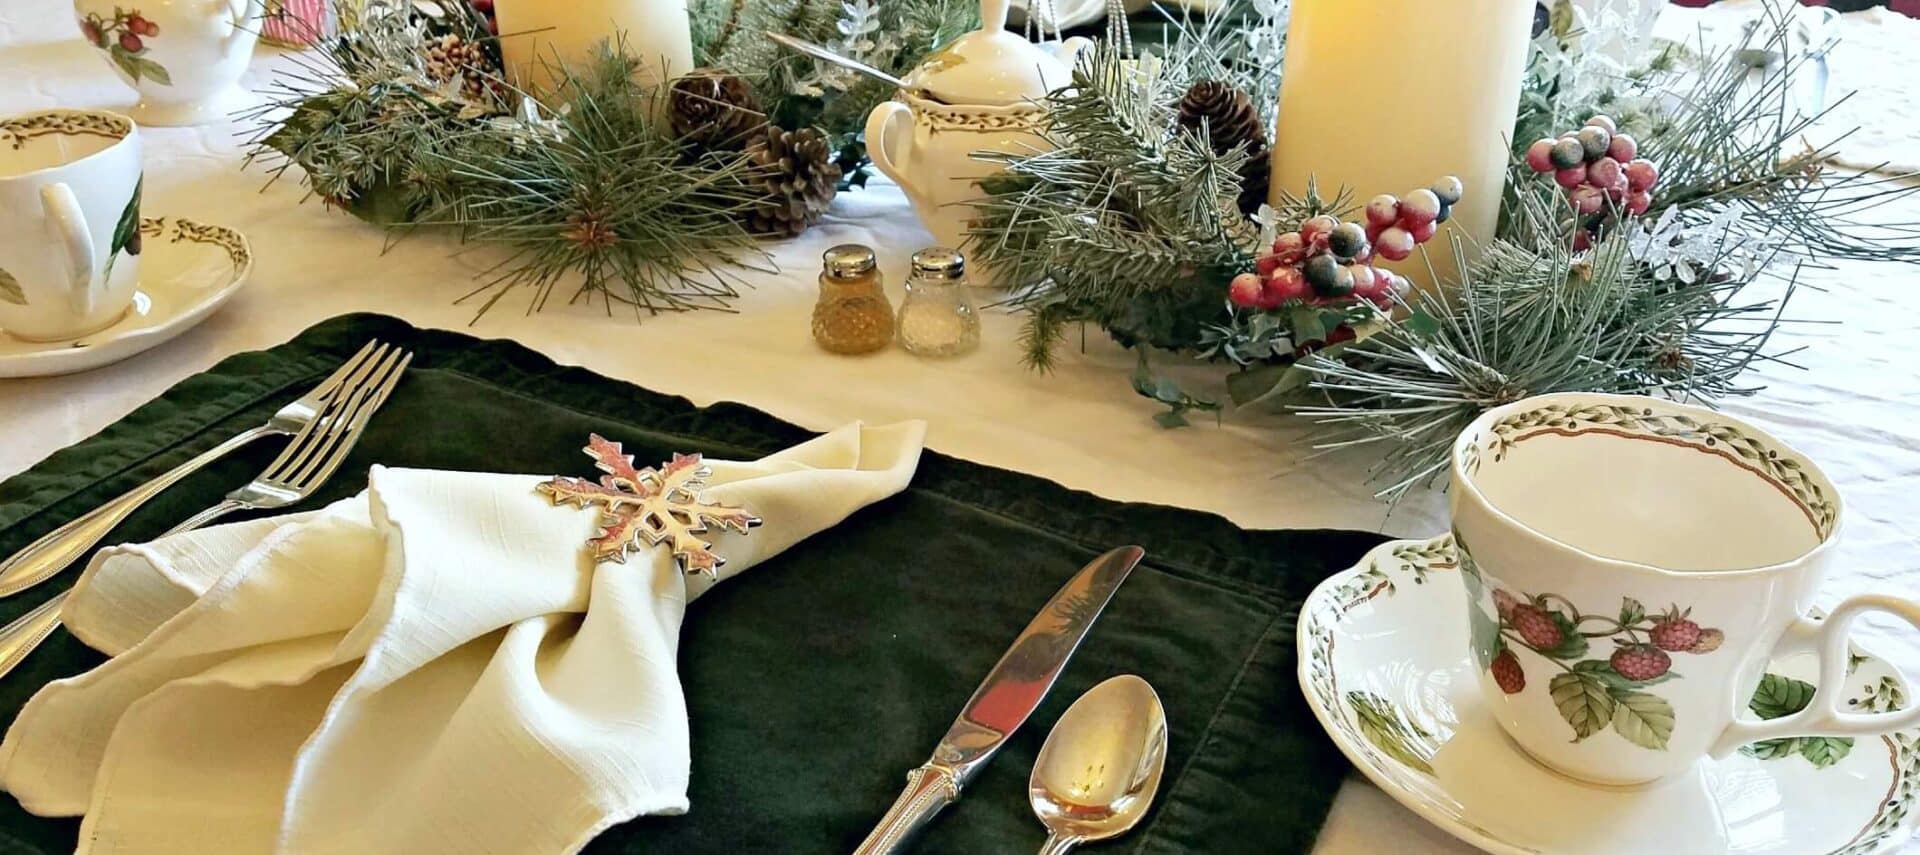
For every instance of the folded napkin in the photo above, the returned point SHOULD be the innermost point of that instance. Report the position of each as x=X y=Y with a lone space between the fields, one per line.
x=436 y=665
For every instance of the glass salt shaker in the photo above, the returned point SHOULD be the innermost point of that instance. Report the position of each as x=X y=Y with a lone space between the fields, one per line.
x=937 y=318
x=853 y=315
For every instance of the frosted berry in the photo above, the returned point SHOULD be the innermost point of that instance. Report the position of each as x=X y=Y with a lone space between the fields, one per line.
x=1605 y=122
x=1535 y=627
x=1604 y=173
x=1366 y=280
x=1674 y=633
x=1449 y=189
x=1317 y=228
x=1348 y=241
x=1424 y=232
x=1383 y=210
x=1394 y=244
x=1638 y=203
x=1286 y=284
x=1504 y=603
x=1506 y=672
x=1640 y=662
x=1418 y=207
x=1571 y=177
x=1402 y=286
x=1587 y=199
x=1594 y=142
x=1642 y=175
x=1540 y=155
x=1245 y=290
x=1623 y=149
x=1266 y=264
x=1289 y=247
x=1446 y=213
x=1568 y=153
x=131 y=43
x=1326 y=277
x=1709 y=641
x=1582 y=240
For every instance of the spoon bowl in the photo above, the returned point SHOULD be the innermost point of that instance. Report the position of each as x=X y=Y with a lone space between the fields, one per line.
x=1101 y=765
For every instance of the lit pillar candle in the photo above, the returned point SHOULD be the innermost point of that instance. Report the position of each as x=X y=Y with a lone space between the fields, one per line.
x=1385 y=96
x=568 y=32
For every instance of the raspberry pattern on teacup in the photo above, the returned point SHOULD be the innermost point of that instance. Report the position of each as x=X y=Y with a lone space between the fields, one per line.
x=1591 y=692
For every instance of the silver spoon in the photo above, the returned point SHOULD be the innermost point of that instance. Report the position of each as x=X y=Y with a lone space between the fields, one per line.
x=1100 y=767
x=821 y=53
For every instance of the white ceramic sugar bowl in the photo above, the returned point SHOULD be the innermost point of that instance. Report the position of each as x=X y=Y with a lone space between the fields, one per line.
x=184 y=56
x=979 y=93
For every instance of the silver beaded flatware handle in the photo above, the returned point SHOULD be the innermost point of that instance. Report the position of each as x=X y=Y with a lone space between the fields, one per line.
x=306 y=463
x=58 y=549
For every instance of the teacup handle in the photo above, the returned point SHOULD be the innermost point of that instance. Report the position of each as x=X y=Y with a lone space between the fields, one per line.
x=1824 y=715
x=69 y=227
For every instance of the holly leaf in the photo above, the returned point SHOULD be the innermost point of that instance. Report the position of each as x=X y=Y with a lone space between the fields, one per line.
x=1421 y=324
x=1777 y=696
x=1264 y=382
x=1644 y=719
x=1572 y=644
x=1171 y=419
x=1824 y=751
x=1383 y=727
x=10 y=290
x=1583 y=701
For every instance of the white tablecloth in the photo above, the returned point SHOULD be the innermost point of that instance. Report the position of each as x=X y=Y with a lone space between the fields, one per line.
x=1855 y=407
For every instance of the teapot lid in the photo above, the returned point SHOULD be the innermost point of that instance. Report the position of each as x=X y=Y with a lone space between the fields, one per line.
x=989 y=66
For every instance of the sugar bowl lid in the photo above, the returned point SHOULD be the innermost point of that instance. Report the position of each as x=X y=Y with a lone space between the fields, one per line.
x=989 y=66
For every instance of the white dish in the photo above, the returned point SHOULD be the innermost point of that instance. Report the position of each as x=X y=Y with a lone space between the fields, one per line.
x=188 y=270
x=1385 y=664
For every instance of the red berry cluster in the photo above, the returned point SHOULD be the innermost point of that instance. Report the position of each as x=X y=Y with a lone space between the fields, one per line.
x=129 y=29
x=1327 y=260
x=1601 y=170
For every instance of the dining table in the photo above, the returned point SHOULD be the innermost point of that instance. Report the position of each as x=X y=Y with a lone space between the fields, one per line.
x=1846 y=390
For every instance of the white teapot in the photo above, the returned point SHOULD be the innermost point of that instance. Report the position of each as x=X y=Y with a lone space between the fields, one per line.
x=979 y=93
x=185 y=57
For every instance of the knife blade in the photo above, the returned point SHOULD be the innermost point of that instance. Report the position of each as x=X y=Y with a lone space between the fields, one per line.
x=1010 y=693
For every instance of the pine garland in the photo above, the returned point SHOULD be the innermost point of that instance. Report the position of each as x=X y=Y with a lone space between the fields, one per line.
x=1128 y=224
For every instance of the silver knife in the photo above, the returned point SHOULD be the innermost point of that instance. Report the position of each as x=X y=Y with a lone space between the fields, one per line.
x=1011 y=691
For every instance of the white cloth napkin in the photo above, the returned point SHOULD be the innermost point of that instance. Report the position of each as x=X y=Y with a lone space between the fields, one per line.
x=436 y=665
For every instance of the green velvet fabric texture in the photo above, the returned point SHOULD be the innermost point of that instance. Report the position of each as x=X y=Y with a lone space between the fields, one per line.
x=816 y=680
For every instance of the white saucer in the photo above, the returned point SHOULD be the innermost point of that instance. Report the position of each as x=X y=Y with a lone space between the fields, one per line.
x=1384 y=663
x=187 y=270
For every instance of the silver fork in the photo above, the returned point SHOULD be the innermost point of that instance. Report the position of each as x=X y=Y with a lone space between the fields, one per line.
x=306 y=463
x=54 y=551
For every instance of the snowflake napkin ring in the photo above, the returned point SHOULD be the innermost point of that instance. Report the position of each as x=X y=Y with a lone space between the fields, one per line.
x=656 y=507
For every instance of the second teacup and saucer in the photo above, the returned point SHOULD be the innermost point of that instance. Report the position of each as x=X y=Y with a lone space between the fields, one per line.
x=85 y=280
x=1623 y=657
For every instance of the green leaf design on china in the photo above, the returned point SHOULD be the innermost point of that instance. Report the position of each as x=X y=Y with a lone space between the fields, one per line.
x=1382 y=726
x=1645 y=719
x=1583 y=701
x=1778 y=696
x=10 y=290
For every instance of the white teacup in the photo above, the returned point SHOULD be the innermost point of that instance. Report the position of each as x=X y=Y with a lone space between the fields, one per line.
x=69 y=222
x=185 y=57
x=1632 y=565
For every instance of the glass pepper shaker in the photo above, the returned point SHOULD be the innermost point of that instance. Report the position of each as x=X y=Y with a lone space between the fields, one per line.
x=938 y=318
x=853 y=315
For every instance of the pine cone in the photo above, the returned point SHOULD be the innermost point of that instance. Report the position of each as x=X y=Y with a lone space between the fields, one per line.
x=795 y=170
x=1230 y=120
x=713 y=110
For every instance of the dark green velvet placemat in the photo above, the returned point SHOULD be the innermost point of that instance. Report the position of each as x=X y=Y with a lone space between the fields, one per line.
x=817 y=679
